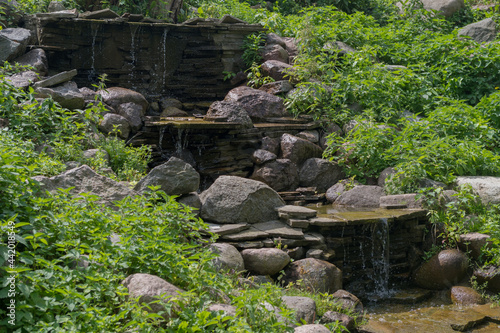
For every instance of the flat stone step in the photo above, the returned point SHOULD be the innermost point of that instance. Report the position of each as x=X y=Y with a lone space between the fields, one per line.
x=298 y=212
x=279 y=229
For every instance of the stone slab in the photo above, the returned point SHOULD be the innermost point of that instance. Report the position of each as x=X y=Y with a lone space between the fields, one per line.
x=246 y=235
x=227 y=229
x=279 y=229
x=296 y=223
x=299 y=212
x=56 y=79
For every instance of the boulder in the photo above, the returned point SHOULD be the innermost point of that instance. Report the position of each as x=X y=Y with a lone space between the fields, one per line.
x=465 y=296
x=275 y=69
x=175 y=177
x=488 y=188
x=312 y=328
x=149 y=289
x=133 y=113
x=13 y=42
x=228 y=257
x=35 y=58
x=315 y=275
x=56 y=79
x=274 y=39
x=274 y=52
x=489 y=275
x=261 y=156
x=257 y=103
x=320 y=173
x=361 y=196
x=22 y=80
x=67 y=95
x=304 y=307
x=291 y=47
x=387 y=172
x=114 y=124
x=191 y=200
x=85 y=180
x=443 y=270
x=336 y=190
x=348 y=301
x=473 y=243
x=280 y=175
x=277 y=87
x=445 y=7
x=115 y=96
x=271 y=144
x=344 y=320
x=229 y=111
x=267 y=261
x=298 y=150
x=233 y=199
x=312 y=136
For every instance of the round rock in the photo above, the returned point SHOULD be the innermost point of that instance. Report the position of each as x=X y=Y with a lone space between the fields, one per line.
x=304 y=307
x=312 y=328
x=316 y=275
x=265 y=261
x=320 y=173
x=443 y=270
x=229 y=258
x=465 y=296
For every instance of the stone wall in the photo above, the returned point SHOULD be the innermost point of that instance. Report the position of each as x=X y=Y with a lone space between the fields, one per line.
x=185 y=61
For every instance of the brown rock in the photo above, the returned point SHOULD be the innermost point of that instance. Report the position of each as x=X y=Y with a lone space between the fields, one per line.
x=315 y=275
x=443 y=270
x=489 y=275
x=278 y=70
x=465 y=296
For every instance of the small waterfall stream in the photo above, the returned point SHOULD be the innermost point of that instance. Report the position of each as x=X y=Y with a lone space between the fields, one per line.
x=380 y=259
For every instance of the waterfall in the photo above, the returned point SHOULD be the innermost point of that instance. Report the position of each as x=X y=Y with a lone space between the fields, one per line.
x=94 y=27
x=380 y=259
x=134 y=30
x=163 y=48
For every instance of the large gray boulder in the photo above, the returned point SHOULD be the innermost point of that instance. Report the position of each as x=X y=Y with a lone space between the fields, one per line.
x=257 y=103
x=228 y=257
x=275 y=52
x=175 y=177
x=133 y=113
x=67 y=95
x=115 y=96
x=261 y=156
x=85 y=180
x=488 y=188
x=280 y=174
x=35 y=58
x=228 y=111
x=361 y=196
x=13 y=42
x=312 y=328
x=149 y=289
x=482 y=31
x=320 y=173
x=315 y=275
x=445 y=7
x=233 y=199
x=276 y=69
x=115 y=124
x=336 y=190
x=298 y=150
x=304 y=307
x=443 y=270
x=267 y=261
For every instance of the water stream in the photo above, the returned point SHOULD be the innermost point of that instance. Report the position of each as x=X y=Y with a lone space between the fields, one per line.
x=93 y=75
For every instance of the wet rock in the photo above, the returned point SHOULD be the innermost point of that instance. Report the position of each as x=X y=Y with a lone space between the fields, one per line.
x=280 y=174
x=320 y=173
x=332 y=317
x=175 y=177
x=229 y=258
x=271 y=144
x=336 y=190
x=348 y=301
x=115 y=96
x=304 y=307
x=227 y=309
x=172 y=111
x=489 y=275
x=278 y=70
x=445 y=7
x=274 y=52
x=35 y=58
x=488 y=188
x=257 y=103
x=13 y=42
x=465 y=296
x=85 y=180
x=265 y=261
x=277 y=87
x=443 y=270
x=386 y=173
x=315 y=275
x=261 y=156
x=473 y=243
x=150 y=288
x=114 y=124
x=133 y=113
x=312 y=328
x=22 y=80
x=233 y=199
x=229 y=111
x=298 y=150
x=398 y=201
x=56 y=79
x=361 y=196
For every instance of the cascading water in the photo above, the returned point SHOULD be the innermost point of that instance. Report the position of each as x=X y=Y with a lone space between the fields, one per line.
x=163 y=47
x=134 y=31
x=93 y=75
x=380 y=259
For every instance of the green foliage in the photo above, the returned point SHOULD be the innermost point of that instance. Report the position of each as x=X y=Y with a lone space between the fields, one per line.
x=252 y=47
x=255 y=77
